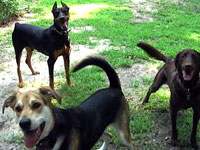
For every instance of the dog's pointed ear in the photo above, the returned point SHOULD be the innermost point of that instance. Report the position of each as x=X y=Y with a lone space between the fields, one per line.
x=49 y=93
x=9 y=101
x=64 y=5
x=54 y=6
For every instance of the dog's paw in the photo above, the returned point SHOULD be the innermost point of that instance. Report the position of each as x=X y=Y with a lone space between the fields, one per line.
x=144 y=103
x=21 y=85
x=72 y=85
x=194 y=145
x=173 y=142
x=35 y=73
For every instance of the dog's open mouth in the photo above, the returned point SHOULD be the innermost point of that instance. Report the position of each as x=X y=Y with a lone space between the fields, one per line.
x=187 y=76
x=31 y=137
x=64 y=25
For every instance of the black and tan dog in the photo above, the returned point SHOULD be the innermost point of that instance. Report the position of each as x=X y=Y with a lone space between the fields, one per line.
x=182 y=76
x=53 y=42
x=77 y=128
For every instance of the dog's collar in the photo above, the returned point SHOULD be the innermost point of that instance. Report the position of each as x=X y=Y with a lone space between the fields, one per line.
x=62 y=32
x=187 y=91
x=188 y=94
x=44 y=144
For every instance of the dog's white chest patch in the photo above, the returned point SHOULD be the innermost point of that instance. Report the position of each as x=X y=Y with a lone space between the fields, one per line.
x=58 y=143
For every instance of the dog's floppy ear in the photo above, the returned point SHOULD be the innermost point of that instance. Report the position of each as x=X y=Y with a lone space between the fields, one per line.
x=54 y=6
x=49 y=93
x=9 y=101
x=64 y=5
x=177 y=60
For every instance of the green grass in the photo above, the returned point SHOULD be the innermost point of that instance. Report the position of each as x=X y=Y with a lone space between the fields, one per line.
x=176 y=27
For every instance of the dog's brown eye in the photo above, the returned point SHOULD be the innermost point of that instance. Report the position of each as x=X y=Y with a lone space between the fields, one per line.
x=18 y=109
x=36 y=105
x=193 y=55
x=183 y=56
x=56 y=13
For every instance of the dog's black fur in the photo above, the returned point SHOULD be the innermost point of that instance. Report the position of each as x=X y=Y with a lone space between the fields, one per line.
x=85 y=124
x=53 y=42
x=182 y=76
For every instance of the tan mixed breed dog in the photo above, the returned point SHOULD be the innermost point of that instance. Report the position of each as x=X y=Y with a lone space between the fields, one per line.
x=79 y=128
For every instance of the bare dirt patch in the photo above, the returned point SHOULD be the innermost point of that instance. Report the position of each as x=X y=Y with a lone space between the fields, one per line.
x=142 y=10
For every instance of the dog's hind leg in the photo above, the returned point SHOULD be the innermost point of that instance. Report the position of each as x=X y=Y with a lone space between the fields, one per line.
x=159 y=80
x=106 y=137
x=18 y=53
x=28 y=60
x=122 y=125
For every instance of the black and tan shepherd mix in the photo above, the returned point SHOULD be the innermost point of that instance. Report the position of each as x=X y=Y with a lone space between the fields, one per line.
x=77 y=128
x=53 y=42
x=182 y=76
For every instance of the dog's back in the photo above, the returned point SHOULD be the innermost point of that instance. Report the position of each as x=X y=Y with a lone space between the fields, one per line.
x=25 y=35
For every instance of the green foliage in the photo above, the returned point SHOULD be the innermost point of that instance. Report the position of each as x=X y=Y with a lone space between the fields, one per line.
x=8 y=9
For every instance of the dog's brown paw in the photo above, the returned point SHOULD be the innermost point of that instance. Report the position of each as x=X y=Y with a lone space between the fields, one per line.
x=144 y=103
x=173 y=142
x=72 y=85
x=21 y=85
x=194 y=145
x=35 y=73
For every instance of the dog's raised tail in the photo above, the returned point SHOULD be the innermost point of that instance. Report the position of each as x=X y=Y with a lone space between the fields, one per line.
x=152 y=51
x=102 y=63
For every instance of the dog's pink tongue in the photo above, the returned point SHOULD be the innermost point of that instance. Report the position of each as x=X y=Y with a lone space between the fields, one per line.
x=187 y=77
x=31 y=138
x=65 y=25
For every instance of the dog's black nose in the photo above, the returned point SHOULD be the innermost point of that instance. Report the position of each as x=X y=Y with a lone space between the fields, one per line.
x=62 y=19
x=25 y=124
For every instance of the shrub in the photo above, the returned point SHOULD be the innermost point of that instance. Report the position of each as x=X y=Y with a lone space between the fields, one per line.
x=8 y=9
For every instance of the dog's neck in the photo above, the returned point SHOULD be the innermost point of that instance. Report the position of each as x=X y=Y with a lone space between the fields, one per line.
x=48 y=143
x=59 y=30
x=55 y=139
x=191 y=84
x=188 y=87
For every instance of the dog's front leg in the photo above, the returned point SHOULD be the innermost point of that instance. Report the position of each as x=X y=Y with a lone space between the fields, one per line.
x=51 y=61
x=66 y=58
x=159 y=80
x=196 y=116
x=174 y=138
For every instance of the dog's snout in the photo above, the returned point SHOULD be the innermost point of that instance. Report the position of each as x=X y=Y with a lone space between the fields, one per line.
x=188 y=66
x=25 y=124
x=62 y=19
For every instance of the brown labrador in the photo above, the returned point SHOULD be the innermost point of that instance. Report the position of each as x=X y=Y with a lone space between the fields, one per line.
x=182 y=76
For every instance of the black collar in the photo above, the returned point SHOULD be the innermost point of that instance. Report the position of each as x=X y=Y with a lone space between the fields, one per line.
x=44 y=144
x=61 y=32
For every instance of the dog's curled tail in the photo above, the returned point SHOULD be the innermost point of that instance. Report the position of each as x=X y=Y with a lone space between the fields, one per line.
x=152 y=51
x=102 y=63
